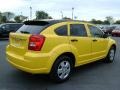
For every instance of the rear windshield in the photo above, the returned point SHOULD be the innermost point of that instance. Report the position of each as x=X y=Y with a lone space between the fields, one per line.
x=31 y=29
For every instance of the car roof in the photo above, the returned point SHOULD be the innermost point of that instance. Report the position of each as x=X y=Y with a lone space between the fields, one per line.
x=48 y=22
x=11 y=23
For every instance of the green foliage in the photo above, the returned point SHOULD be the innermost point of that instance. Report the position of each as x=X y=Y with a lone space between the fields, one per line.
x=106 y=22
x=50 y=17
x=17 y=19
x=42 y=15
x=96 y=21
x=0 y=16
x=110 y=19
x=117 y=22
x=3 y=19
x=20 y=18
x=66 y=18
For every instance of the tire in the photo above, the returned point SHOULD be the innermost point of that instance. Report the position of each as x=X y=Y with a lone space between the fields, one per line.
x=111 y=55
x=61 y=69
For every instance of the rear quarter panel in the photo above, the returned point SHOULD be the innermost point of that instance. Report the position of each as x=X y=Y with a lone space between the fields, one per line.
x=55 y=45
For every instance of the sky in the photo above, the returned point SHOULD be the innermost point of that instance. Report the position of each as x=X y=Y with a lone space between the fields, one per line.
x=83 y=9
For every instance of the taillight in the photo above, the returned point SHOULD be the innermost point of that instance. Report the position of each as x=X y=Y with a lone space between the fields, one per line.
x=36 y=42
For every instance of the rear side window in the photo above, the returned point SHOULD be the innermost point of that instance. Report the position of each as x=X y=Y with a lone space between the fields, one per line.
x=31 y=29
x=62 y=30
x=78 y=30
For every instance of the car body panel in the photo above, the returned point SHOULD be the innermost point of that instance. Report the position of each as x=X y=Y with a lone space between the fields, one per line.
x=84 y=51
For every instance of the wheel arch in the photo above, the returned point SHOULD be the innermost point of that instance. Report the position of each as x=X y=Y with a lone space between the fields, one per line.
x=70 y=54
x=113 y=45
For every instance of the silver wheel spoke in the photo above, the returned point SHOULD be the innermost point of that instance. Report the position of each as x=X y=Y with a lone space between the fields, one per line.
x=62 y=75
x=112 y=53
x=67 y=65
x=60 y=71
x=63 y=69
x=62 y=64
x=67 y=71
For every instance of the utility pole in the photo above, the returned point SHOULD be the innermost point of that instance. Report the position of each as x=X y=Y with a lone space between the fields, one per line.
x=20 y=15
x=72 y=13
x=30 y=12
x=61 y=14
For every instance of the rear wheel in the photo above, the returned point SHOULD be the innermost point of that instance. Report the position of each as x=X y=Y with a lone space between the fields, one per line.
x=62 y=69
x=111 y=55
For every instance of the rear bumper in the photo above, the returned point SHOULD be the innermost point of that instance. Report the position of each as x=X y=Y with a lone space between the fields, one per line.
x=32 y=63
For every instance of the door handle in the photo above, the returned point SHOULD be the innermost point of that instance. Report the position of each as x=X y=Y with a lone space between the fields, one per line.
x=74 y=40
x=94 y=40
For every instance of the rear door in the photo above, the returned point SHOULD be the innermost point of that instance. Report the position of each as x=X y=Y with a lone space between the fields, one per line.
x=80 y=41
x=99 y=44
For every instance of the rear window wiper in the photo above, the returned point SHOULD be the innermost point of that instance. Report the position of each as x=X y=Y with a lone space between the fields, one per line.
x=25 y=32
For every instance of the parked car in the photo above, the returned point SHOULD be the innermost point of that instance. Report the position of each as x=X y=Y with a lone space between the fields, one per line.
x=6 y=28
x=109 y=29
x=55 y=47
x=116 y=32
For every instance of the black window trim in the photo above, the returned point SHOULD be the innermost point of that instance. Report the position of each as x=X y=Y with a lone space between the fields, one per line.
x=79 y=24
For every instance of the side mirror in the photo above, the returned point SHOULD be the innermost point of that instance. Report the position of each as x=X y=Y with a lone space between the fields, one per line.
x=105 y=35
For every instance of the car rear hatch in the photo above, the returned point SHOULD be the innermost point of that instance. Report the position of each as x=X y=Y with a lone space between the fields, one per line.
x=19 y=40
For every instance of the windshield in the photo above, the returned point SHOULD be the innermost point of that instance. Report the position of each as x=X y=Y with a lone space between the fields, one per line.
x=31 y=29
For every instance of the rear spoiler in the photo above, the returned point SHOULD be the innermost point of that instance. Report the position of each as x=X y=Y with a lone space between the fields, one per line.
x=41 y=23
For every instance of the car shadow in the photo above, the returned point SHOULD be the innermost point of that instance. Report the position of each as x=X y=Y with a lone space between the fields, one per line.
x=41 y=79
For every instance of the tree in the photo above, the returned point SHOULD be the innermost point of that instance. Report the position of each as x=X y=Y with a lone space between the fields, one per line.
x=66 y=18
x=106 y=22
x=110 y=19
x=0 y=17
x=42 y=15
x=117 y=22
x=3 y=19
x=20 y=18
x=96 y=21
x=17 y=19
x=50 y=17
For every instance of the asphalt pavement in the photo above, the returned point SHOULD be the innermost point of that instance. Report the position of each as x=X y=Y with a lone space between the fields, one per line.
x=94 y=76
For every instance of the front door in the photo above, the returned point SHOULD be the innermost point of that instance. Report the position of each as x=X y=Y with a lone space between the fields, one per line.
x=99 y=44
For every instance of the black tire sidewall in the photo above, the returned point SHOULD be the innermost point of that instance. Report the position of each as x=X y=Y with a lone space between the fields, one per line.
x=53 y=75
x=108 y=60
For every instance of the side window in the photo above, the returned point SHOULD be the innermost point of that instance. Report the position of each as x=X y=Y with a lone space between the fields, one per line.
x=62 y=30
x=13 y=27
x=6 y=27
x=95 y=32
x=78 y=30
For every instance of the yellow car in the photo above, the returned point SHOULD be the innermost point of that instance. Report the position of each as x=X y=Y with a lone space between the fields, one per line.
x=54 y=47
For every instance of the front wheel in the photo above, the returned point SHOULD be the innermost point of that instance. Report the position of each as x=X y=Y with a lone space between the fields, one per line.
x=62 y=68
x=111 y=55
